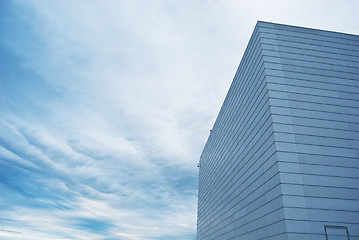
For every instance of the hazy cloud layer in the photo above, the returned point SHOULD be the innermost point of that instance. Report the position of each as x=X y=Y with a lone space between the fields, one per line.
x=105 y=107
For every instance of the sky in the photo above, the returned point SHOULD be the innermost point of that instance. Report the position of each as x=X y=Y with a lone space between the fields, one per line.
x=105 y=107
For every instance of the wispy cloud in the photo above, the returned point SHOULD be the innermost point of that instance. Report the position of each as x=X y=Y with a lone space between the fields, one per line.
x=67 y=190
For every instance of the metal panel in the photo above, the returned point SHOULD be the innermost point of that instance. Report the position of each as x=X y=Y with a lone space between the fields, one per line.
x=281 y=161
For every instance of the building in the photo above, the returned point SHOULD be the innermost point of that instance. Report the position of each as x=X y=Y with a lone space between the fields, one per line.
x=282 y=159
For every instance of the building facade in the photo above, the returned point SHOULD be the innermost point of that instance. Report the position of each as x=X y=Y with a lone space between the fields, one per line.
x=282 y=159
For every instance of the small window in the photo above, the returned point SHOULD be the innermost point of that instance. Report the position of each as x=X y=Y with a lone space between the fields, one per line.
x=336 y=233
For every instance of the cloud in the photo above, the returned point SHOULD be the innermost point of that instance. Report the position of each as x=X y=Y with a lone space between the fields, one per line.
x=84 y=188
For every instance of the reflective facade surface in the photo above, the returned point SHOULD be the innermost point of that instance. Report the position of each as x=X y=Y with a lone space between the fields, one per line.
x=282 y=160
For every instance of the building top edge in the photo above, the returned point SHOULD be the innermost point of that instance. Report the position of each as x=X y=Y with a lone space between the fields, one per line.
x=261 y=23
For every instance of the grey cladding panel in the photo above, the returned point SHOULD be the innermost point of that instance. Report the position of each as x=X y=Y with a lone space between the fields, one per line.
x=282 y=160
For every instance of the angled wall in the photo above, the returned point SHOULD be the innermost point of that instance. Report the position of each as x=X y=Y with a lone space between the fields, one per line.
x=281 y=161
x=239 y=184
x=313 y=82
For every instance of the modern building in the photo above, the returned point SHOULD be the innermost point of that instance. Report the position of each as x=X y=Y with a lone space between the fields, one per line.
x=282 y=159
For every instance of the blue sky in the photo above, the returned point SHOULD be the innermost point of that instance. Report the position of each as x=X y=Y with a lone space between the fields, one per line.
x=105 y=107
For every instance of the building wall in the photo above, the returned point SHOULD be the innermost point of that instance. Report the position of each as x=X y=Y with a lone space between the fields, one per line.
x=239 y=184
x=282 y=159
x=313 y=83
